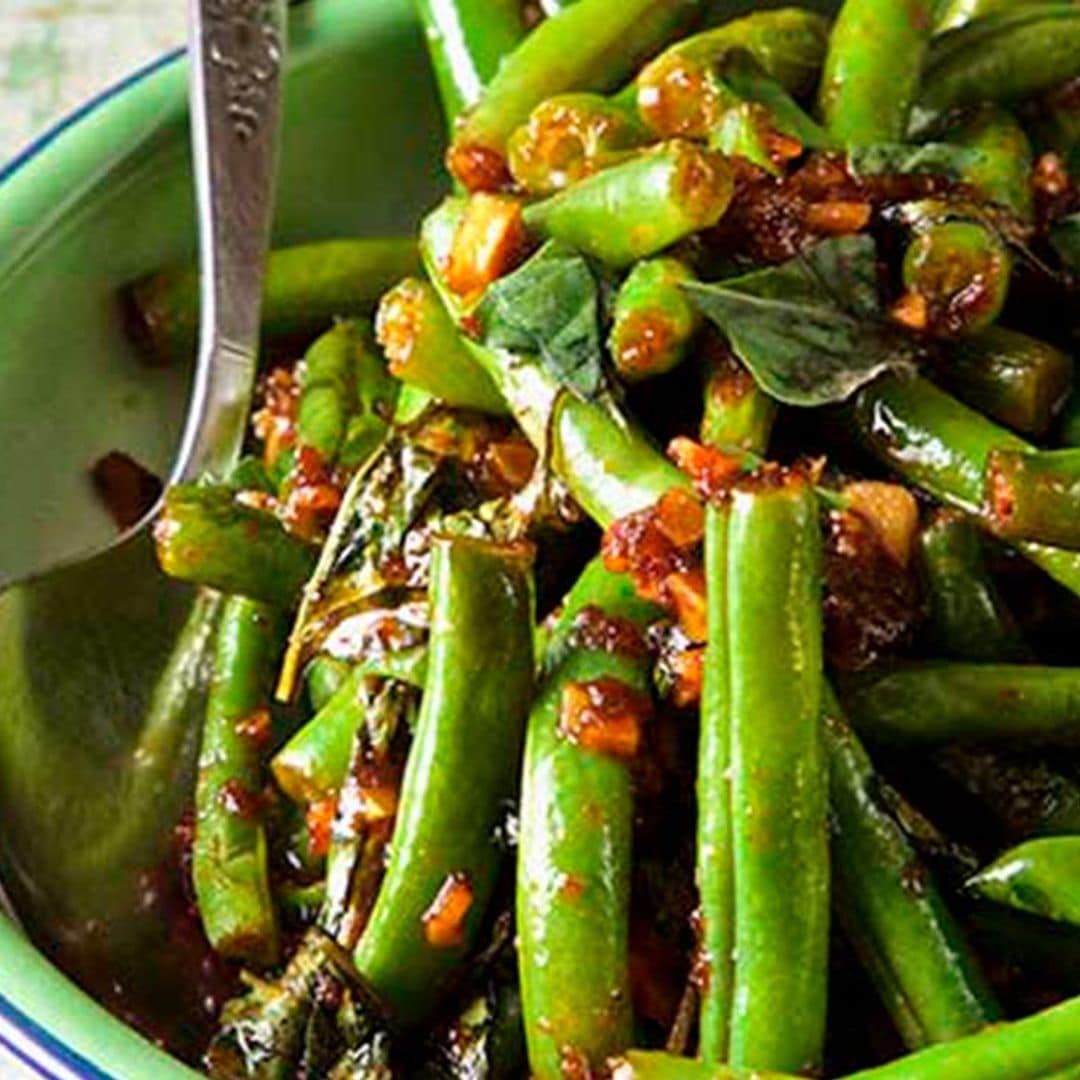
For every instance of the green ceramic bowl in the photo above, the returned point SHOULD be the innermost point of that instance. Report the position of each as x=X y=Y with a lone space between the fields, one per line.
x=101 y=199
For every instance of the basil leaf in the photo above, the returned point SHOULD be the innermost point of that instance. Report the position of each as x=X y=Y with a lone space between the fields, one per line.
x=550 y=306
x=811 y=330
x=947 y=160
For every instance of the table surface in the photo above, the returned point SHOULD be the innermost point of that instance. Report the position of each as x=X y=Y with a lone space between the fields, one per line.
x=54 y=54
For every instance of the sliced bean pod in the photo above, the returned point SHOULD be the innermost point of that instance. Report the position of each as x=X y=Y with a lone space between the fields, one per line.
x=872 y=69
x=1005 y=56
x=425 y=349
x=323 y=678
x=1041 y=876
x=636 y=209
x=444 y=858
x=229 y=865
x=573 y=878
x=1035 y=495
x=938 y=702
x=305 y=289
x=968 y=616
x=570 y=137
x=913 y=950
x=654 y=320
x=958 y=272
x=1017 y=380
x=942 y=446
x=592 y=45
x=1002 y=170
x=205 y=536
x=683 y=93
x=467 y=40
x=738 y=413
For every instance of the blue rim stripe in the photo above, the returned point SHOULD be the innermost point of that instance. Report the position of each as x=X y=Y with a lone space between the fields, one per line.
x=20 y=1034
x=92 y=105
x=40 y=1050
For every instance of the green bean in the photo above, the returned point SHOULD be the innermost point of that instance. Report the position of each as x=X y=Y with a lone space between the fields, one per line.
x=606 y=463
x=738 y=413
x=1030 y=942
x=636 y=209
x=305 y=288
x=936 y=702
x=961 y=271
x=592 y=45
x=205 y=536
x=426 y=350
x=683 y=92
x=942 y=446
x=1003 y=57
x=1017 y=380
x=229 y=868
x=1068 y=429
x=654 y=320
x=769 y=787
x=872 y=69
x=467 y=40
x=571 y=136
x=952 y=14
x=1025 y=794
x=1002 y=172
x=573 y=878
x=1028 y=1049
x=462 y=766
x=323 y=677
x=1034 y=495
x=891 y=910
x=313 y=763
x=1040 y=876
x=968 y=619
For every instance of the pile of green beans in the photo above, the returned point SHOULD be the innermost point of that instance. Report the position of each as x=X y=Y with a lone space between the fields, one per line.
x=581 y=706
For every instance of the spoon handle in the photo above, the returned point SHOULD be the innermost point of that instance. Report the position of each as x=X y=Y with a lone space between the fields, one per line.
x=236 y=48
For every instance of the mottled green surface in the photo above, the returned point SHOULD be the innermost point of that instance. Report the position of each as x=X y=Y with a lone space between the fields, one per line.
x=54 y=54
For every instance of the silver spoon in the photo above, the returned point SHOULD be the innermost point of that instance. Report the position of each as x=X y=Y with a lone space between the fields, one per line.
x=96 y=728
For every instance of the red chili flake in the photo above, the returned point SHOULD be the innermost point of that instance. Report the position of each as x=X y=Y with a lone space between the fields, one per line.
x=681 y=518
x=444 y=920
x=255 y=726
x=479 y=168
x=1002 y=498
x=604 y=715
x=635 y=545
x=274 y=423
x=320 y=824
x=573 y=1064
x=489 y=242
x=912 y=311
x=687 y=591
x=238 y=799
x=596 y=631
x=712 y=471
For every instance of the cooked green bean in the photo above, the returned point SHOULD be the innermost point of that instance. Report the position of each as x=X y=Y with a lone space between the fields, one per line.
x=636 y=209
x=1002 y=171
x=1041 y=876
x=738 y=413
x=968 y=617
x=592 y=45
x=1011 y=378
x=937 y=702
x=654 y=320
x=467 y=40
x=891 y=910
x=305 y=288
x=229 y=868
x=573 y=878
x=205 y=536
x=1034 y=495
x=872 y=69
x=443 y=858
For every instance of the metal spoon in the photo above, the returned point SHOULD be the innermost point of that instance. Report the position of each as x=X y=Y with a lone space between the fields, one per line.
x=112 y=685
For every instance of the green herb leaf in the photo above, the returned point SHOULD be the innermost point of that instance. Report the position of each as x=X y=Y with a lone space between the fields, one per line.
x=810 y=330
x=947 y=160
x=550 y=307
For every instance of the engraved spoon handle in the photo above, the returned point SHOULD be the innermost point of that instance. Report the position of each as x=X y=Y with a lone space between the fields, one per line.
x=236 y=49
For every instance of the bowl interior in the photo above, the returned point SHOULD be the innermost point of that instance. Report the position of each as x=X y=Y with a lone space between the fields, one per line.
x=102 y=200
